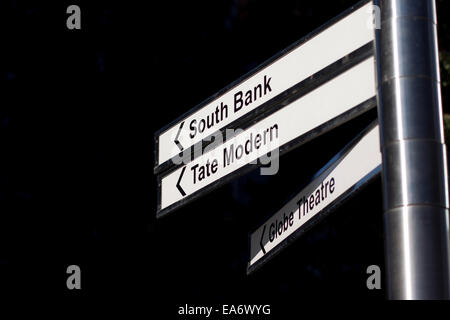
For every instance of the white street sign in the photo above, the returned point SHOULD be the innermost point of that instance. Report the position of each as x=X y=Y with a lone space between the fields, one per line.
x=334 y=101
x=302 y=60
x=352 y=167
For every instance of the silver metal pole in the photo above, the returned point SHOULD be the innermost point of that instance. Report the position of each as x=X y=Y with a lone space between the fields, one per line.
x=415 y=185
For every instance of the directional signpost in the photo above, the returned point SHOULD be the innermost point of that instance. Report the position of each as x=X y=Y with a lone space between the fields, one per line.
x=254 y=93
x=357 y=164
x=318 y=83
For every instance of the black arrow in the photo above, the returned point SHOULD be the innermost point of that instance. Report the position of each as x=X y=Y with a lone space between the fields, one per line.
x=178 y=183
x=261 y=241
x=176 y=138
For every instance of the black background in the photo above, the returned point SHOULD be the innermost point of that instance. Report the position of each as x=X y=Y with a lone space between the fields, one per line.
x=78 y=112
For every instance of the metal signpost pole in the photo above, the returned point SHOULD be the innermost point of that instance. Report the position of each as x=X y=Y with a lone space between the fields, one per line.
x=414 y=168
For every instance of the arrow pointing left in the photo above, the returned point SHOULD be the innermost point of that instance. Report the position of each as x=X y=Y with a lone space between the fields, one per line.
x=178 y=182
x=177 y=142
x=261 y=244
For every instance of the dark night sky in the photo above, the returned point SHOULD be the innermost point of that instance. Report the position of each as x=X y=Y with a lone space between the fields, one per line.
x=77 y=118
